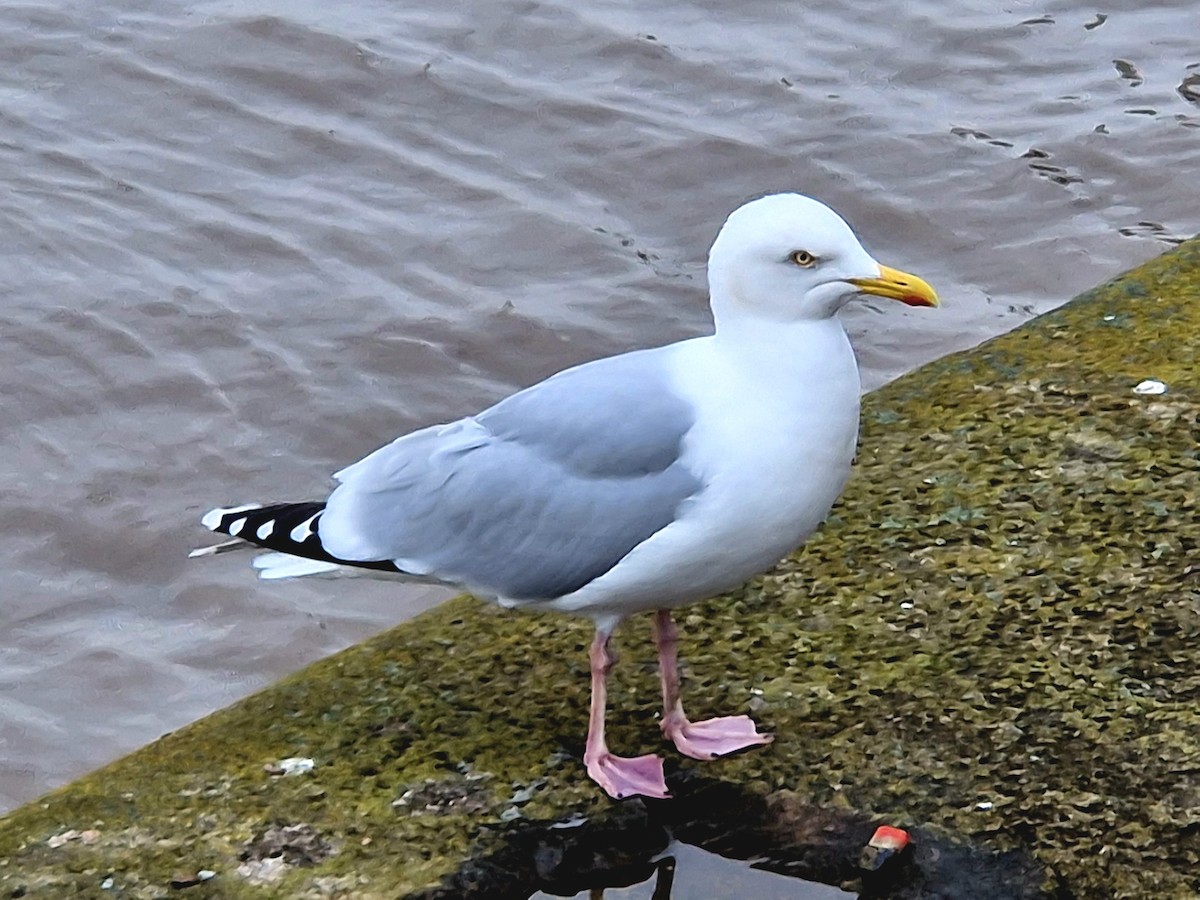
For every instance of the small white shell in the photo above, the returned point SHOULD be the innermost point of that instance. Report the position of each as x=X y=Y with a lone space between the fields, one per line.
x=296 y=765
x=1150 y=386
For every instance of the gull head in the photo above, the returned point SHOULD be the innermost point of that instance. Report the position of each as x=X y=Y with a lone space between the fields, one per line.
x=787 y=257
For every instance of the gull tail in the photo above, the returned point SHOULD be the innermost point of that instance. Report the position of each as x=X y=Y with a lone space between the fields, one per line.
x=290 y=529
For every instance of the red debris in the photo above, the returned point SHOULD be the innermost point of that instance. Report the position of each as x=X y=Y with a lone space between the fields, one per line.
x=888 y=838
x=885 y=843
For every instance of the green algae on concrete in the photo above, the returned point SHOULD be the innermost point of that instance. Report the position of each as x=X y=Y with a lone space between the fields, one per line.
x=994 y=636
x=438 y=707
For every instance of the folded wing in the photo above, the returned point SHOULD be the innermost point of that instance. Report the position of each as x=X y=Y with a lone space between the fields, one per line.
x=531 y=499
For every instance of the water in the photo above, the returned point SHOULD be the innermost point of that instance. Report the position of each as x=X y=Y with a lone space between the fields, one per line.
x=686 y=873
x=245 y=243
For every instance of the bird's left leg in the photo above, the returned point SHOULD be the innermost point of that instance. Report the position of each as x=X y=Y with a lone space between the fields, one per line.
x=699 y=740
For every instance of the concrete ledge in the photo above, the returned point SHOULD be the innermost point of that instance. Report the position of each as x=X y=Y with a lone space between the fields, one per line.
x=993 y=642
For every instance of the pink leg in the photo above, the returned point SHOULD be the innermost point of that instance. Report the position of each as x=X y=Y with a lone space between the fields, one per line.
x=699 y=740
x=619 y=776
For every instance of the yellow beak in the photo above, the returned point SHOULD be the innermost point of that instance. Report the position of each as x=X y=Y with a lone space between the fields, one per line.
x=897 y=285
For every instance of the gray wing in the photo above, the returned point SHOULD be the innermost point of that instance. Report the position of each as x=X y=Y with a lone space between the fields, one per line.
x=531 y=499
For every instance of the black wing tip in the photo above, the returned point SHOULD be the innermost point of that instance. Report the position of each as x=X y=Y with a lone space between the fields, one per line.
x=277 y=526
x=286 y=527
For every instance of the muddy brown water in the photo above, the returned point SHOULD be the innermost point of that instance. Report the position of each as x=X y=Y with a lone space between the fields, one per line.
x=245 y=243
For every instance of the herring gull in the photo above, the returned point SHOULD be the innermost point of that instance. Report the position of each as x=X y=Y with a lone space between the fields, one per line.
x=636 y=483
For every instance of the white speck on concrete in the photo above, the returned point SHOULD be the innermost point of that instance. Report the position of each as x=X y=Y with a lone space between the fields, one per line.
x=297 y=765
x=1150 y=386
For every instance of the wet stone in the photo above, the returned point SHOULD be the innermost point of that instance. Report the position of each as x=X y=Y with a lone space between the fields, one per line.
x=295 y=845
x=462 y=794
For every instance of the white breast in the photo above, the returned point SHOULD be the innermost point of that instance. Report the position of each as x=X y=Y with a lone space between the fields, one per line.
x=773 y=444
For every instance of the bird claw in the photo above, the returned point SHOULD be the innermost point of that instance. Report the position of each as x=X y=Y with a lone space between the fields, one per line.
x=624 y=776
x=714 y=737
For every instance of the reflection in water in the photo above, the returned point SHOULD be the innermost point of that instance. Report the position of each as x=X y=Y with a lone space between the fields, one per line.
x=684 y=872
x=717 y=840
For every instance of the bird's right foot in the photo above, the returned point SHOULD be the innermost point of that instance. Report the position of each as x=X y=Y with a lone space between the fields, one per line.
x=624 y=776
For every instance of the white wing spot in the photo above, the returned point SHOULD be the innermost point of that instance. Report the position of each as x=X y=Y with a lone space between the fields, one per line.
x=213 y=518
x=235 y=528
x=265 y=529
x=303 y=531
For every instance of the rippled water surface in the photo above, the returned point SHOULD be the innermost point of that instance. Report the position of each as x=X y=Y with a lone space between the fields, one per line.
x=244 y=243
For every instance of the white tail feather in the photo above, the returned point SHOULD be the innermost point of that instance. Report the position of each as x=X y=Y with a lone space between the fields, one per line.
x=283 y=565
x=223 y=547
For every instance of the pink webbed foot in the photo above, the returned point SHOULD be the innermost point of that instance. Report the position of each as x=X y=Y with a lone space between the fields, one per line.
x=624 y=776
x=713 y=737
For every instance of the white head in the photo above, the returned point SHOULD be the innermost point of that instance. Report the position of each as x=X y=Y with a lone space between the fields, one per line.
x=787 y=257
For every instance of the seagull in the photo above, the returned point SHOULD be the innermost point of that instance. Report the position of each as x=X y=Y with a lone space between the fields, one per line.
x=636 y=483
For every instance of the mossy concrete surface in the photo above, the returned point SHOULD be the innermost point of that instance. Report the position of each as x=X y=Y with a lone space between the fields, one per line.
x=994 y=637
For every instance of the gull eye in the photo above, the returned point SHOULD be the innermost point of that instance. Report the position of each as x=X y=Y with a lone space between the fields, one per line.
x=803 y=258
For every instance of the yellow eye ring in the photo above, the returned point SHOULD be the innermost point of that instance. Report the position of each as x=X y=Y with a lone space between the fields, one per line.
x=803 y=258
